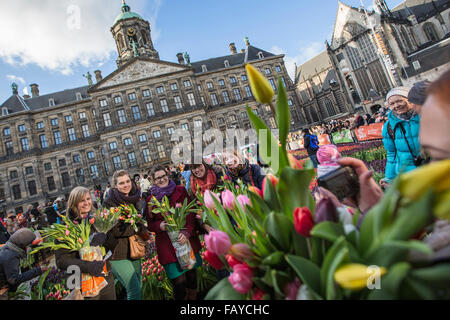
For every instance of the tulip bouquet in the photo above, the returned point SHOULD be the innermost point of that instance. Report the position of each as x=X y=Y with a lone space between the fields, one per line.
x=129 y=214
x=284 y=245
x=176 y=221
x=71 y=236
x=106 y=219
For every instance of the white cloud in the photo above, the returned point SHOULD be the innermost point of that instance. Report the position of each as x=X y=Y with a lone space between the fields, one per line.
x=303 y=54
x=61 y=35
x=14 y=78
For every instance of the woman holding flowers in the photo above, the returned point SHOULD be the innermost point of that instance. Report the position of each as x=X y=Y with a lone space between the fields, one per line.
x=127 y=270
x=79 y=208
x=239 y=168
x=205 y=177
x=184 y=281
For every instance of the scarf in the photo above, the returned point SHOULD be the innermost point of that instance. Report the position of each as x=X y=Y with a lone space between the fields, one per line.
x=15 y=248
x=206 y=183
x=407 y=115
x=119 y=198
x=159 y=193
x=236 y=172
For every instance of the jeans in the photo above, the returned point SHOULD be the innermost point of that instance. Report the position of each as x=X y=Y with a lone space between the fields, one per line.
x=129 y=273
x=314 y=160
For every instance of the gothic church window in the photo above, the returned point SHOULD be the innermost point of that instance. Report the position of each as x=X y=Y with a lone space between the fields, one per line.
x=430 y=31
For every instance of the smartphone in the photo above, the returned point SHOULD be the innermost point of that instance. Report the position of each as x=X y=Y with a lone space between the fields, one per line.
x=342 y=182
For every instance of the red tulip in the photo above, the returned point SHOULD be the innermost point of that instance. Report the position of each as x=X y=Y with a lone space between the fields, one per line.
x=303 y=221
x=92 y=221
x=256 y=190
x=232 y=261
x=272 y=179
x=258 y=294
x=213 y=260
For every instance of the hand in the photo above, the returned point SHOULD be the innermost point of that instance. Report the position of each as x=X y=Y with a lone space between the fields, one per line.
x=163 y=225
x=96 y=268
x=182 y=238
x=370 y=192
x=44 y=268
x=98 y=239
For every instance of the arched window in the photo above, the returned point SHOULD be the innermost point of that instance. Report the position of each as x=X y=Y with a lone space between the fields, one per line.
x=430 y=31
x=121 y=42
x=260 y=55
x=406 y=40
x=329 y=107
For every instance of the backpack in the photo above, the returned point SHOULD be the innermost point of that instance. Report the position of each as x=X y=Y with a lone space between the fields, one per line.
x=313 y=142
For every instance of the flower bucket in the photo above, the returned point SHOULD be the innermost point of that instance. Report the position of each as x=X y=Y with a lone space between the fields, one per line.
x=91 y=286
x=184 y=252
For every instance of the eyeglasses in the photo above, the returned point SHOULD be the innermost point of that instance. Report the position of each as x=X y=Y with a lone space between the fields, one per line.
x=161 y=178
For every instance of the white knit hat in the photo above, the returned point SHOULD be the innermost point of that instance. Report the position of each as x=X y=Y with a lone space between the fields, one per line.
x=398 y=91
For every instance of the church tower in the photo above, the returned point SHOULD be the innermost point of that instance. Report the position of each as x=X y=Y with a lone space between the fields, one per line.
x=132 y=35
x=382 y=7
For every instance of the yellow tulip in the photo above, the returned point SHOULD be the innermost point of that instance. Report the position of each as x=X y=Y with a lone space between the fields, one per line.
x=354 y=276
x=415 y=183
x=441 y=207
x=261 y=88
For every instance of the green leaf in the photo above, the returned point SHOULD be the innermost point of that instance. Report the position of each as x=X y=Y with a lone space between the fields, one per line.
x=308 y=272
x=270 y=196
x=336 y=256
x=224 y=291
x=283 y=114
x=275 y=259
x=378 y=217
x=328 y=230
x=411 y=219
x=279 y=279
x=278 y=227
x=418 y=289
x=437 y=275
x=269 y=145
x=293 y=190
x=391 y=282
x=300 y=244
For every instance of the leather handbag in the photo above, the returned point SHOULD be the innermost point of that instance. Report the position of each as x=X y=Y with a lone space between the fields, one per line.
x=137 y=247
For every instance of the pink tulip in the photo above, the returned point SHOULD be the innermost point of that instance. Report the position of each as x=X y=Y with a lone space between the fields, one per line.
x=131 y=221
x=80 y=241
x=218 y=242
x=241 y=278
x=228 y=199
x=209 y=203
x=67 y=232
x=243 y=200
x=178 y=205
x=232 y=261
x=241 y=251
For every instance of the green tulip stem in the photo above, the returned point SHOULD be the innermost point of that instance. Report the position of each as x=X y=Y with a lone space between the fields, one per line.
x=308 y=243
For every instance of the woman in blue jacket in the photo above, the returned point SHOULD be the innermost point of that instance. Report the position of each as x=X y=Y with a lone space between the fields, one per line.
x=400 y=135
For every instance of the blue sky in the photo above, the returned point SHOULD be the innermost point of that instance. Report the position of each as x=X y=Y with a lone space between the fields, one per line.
x=37 y=45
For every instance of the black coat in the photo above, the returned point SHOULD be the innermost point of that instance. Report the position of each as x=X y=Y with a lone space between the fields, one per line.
x=10 y=267
x=4 y=235
x=52 y=216
x=251 y=175
x=117 y=237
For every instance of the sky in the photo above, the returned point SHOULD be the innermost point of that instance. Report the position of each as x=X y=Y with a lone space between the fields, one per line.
x=55 y=42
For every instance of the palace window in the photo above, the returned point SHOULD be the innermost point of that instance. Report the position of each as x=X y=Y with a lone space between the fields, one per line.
x=44 y=142
x=191 y=99
x=136 y=113
x=122 y=116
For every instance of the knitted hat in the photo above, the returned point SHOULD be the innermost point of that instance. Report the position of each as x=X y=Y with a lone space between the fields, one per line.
x=22 y=237
x=418 y=93
x=399 y=91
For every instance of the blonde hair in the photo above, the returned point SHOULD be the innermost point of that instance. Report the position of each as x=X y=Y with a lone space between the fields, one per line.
x=234 y=152
x=75 y=197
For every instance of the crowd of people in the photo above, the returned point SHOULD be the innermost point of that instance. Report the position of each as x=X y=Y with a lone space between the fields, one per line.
x=418 y=120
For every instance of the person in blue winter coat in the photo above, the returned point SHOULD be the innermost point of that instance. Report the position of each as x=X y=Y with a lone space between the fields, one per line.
x=400 y=135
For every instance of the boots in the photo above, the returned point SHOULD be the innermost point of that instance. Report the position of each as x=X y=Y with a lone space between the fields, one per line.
x=191 y=294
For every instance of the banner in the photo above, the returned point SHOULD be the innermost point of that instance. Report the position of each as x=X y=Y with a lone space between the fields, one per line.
x=295 y=145
x=342 y=136
x=371 y=132
x=323 y=139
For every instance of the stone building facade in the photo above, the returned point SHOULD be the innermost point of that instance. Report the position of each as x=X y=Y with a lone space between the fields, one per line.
x=371 y=52
x=54 y=142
